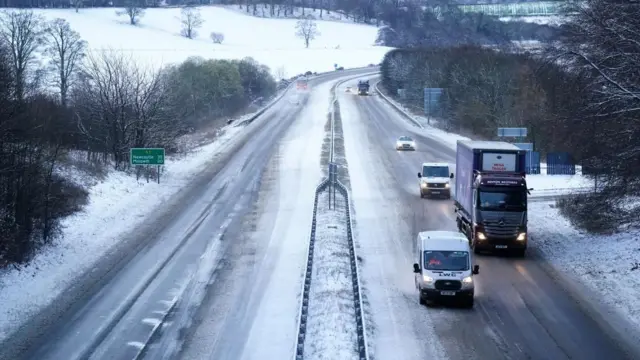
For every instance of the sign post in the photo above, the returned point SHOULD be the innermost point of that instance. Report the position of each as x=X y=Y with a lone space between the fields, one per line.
x=431 y=99
x=147 y=157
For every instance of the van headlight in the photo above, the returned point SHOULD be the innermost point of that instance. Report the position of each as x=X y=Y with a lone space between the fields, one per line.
x=446 y=185
x=423 y=185
x=467 y=282
x=521 y=237
x=427 y=279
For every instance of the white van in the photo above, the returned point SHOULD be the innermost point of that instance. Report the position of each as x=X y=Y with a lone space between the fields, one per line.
x=443 y=269
x=435 y=179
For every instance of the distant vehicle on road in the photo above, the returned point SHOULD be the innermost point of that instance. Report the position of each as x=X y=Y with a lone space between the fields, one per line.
x=443 y=270
x=405 y=143
x=363 y=87
x=491 y=195
x=435 y=180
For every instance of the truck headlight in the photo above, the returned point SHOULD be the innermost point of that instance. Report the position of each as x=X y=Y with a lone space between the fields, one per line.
x=427 y=279
x=522 y=236
x=481 y=236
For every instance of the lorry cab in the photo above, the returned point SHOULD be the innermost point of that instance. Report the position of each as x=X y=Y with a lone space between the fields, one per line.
x=443 y=269
x=435 y=179
x=491 y=195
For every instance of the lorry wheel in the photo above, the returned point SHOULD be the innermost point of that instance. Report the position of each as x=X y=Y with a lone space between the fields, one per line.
x=476 y=250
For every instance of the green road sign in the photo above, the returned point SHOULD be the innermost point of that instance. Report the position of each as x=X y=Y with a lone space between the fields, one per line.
x=147 y=156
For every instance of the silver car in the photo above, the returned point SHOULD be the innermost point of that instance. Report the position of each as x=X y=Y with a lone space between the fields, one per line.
x=405 y=143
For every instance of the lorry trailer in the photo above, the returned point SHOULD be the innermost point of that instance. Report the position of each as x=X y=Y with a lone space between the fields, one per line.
x=491 y=195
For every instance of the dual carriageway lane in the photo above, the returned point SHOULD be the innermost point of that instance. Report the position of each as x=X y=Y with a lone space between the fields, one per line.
x=521 y=311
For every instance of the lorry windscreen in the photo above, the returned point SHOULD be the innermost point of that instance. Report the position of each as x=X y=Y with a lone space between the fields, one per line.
x=502 y=199
x=435 y=171
x=446 y=260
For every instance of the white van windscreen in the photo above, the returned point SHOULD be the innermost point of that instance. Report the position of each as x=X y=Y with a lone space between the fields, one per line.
x=446 y=260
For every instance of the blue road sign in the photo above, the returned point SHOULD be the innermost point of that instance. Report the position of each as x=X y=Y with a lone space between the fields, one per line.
x=512 y=132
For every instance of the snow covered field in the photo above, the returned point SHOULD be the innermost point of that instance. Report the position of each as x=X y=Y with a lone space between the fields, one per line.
x=331 y=329
x=542 y=184
x=157 y=41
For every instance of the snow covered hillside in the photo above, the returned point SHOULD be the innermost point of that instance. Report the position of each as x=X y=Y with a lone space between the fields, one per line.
x=273 y=42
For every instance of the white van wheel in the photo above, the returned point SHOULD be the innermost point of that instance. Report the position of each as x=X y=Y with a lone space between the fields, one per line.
x=421 y=299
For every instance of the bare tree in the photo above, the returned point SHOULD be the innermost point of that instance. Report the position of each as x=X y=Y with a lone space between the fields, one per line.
x=21 y=33
x=121 y=105
x=281 y=73
x=134 y=9
x=307 y=29
x=66 y=49
x=77 y=4
x=191 y=20
x=217 y=38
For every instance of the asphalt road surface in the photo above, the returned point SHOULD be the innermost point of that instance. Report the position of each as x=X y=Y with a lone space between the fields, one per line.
x=186 y=252
x=520 y=311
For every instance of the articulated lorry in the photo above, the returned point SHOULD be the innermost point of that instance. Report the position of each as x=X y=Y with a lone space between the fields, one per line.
x=491 y=195
x=363 y=87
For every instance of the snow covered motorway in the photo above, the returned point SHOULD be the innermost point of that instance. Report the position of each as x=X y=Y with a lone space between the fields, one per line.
x=524 y=309
x=177 y=292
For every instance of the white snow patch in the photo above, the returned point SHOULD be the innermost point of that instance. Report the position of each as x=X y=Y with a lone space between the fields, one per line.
x=156 y=40
x=116 y=205
x=331 y=327
x=609 y=265
x=542 y=183
x=264 y=11
x=553 y=20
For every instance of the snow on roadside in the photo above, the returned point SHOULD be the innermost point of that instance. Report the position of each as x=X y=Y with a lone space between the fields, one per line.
x=331 y=326
x=117 y=204
x=542 y=183
x=606 y=264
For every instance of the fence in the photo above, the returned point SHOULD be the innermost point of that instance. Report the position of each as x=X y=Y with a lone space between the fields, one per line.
x=560 y=163
x=532 y=165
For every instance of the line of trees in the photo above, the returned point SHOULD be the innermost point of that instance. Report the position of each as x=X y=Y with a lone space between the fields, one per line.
x=56 y=97
x=580 y=95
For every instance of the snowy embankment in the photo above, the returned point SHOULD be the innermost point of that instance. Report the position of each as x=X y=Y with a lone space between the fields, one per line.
x=331 y=326
x=608 y=264
x=156 y=40
x=542 y=183
x=117 y=204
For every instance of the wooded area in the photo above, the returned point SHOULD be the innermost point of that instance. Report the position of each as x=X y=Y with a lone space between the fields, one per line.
x=581 y=95
x=100 y=103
